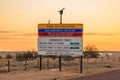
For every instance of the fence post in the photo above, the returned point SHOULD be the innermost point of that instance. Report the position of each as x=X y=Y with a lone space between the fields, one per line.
x=118 y=58
x=8 y=65
x=38 y=63
x=25 y=64
x=102 y=58
x=48 y=62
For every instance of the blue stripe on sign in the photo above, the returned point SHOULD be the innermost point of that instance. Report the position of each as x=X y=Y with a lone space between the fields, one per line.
x=60 y=30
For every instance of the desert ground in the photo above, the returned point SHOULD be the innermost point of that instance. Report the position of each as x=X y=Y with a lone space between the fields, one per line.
x=20 y=70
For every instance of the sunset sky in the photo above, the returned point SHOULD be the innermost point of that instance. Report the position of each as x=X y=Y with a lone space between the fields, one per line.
x=19 y=20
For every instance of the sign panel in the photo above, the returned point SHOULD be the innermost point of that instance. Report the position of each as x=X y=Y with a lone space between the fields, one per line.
x=60 y=39
x=58 y=43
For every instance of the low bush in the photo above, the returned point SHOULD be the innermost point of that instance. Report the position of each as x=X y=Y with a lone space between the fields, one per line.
x=8 y=56
x=26 y=56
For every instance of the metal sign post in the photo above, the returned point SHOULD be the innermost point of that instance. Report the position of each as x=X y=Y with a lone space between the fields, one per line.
x=40 y=62
x=61 y=12
x=60 y=64
x=81 y=66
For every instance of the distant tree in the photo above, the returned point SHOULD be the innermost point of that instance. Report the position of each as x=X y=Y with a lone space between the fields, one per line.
x=29 y=55
x=8 y=56
x=91 y=51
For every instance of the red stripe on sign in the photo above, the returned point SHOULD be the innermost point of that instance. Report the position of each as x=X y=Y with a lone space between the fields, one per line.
x=77 y=34
x=59 y=34
x=43 y=34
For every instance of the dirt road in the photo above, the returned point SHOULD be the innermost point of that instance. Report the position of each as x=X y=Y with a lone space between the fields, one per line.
x=113 y=75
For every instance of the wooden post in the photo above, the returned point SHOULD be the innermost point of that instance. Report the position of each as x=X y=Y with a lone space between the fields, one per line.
x=95 y=59
x=108 y=57
x=114 y=58
x=69 y=59
x=87 y=59
x=8 y=65
x=38 y=63
x=48 y=62
x=60 y=63
x=118 y=58
x=102 y=58
x=25 y=64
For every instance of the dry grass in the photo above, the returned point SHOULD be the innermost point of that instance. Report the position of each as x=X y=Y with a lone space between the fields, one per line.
x=70 y=69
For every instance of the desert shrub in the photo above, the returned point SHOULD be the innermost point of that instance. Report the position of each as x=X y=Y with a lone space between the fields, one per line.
x=20 y=57
x=29 y=55
x=26 y=56
x=91 y=51
x=8 y=56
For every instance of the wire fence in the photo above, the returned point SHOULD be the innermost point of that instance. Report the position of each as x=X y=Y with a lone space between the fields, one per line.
x=68 y=63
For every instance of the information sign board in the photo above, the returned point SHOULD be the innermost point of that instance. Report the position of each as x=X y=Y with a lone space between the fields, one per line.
x=60 y=39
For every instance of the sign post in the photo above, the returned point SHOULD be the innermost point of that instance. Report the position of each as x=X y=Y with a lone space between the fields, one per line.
x=40 y=62
x=60 y=65
x=61 y=13
x=81 y=64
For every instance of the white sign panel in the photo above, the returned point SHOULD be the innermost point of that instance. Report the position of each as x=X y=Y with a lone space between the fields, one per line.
x=57 y=44
x=60 y=45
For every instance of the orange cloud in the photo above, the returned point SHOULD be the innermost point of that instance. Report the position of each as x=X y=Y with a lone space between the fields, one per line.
x=103 y=34
x=5 y=35
x=7 y=32
x=13 y=33
x=27 y=34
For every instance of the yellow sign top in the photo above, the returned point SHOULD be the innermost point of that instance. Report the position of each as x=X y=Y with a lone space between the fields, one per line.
x=60 y=26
